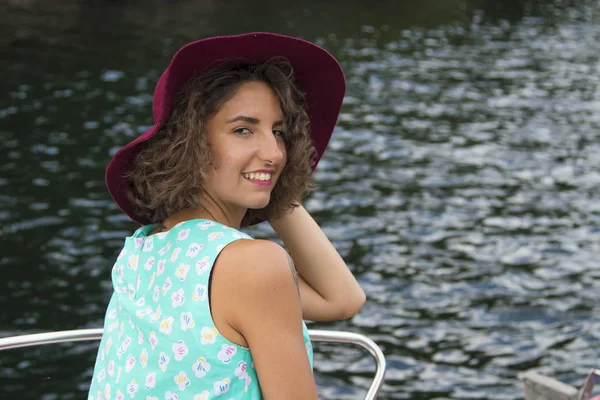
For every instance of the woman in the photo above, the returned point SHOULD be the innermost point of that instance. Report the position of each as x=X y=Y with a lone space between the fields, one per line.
x=200 y=309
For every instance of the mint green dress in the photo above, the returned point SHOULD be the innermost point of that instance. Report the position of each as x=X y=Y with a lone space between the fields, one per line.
x=160 y=341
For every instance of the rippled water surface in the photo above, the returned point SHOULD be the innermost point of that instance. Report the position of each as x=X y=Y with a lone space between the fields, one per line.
x=462 y=184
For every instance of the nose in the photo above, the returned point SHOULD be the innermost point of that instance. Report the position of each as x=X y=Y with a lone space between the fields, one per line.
x=271 y=149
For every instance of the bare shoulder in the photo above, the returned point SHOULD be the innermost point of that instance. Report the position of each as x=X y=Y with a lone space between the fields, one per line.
x=256 y=247
x=244 y=276
x=256 y=263
x=265 y=309
x=259 y=273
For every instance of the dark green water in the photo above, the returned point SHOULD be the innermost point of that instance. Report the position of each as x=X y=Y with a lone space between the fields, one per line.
x=462 y=184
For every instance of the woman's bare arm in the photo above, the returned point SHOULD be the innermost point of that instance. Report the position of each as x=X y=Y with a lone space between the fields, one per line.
x=328 y=289
x=265 y=309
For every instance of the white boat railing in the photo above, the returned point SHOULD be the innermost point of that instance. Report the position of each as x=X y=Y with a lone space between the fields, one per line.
x=37 y=339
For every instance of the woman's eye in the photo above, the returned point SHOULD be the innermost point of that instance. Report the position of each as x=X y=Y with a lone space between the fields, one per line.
x=242 y=131
x=279 y=133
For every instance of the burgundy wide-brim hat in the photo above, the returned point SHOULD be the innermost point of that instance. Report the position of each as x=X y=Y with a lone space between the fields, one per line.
x=317 y=74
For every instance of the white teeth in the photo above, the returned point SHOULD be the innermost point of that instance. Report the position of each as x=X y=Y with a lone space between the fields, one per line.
x=258 y=177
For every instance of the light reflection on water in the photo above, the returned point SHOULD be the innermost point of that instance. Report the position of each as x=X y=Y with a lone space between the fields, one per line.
x=461 y=186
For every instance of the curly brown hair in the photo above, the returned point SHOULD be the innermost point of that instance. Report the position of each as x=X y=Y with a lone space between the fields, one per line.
x=169 y=171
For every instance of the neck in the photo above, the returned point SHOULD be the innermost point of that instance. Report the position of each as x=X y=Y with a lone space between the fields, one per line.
x=209 y=209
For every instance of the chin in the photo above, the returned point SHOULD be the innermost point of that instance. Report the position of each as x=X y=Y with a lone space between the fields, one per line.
x=258 y=204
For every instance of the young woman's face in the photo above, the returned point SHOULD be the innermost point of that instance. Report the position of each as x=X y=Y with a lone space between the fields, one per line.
x=247 y=141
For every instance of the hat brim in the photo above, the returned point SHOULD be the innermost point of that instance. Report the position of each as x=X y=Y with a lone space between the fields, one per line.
x=317 y=74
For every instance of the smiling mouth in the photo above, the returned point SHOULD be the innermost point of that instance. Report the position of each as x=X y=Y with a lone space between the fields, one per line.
x=260 y=176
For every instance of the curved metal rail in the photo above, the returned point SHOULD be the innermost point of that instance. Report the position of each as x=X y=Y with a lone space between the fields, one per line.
x=359 y=340
x=37 y=339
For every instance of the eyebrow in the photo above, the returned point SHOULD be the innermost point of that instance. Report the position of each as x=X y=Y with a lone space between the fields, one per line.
x=251 y=120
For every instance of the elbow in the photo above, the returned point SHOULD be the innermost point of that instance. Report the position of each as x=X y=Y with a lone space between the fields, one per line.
x=353 y=305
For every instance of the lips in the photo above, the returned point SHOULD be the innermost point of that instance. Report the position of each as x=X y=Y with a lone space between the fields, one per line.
x=258 y=176
x=259 y=182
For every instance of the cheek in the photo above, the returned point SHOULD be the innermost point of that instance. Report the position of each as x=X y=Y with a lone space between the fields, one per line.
x=230 y=166
x=284 y=152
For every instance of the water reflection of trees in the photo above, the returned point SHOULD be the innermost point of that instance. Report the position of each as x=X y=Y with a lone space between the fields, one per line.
x=57 y=33
x=45 y=20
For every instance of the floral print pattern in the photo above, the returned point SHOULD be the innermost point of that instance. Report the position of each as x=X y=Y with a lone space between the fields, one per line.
x=160 y=341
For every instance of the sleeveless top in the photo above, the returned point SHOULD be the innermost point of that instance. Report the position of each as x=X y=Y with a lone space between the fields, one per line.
x=160 y=341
